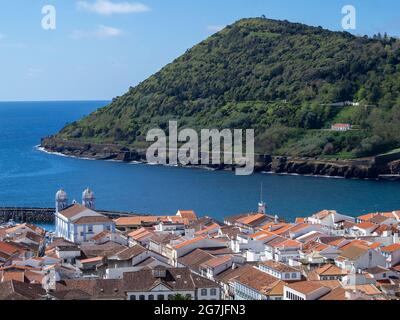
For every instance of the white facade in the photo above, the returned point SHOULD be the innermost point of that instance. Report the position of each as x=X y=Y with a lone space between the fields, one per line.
x=77 y=223
x=371 y=258
x=162 y=292
x=392 y=258
x=287 y=275
x=173 y=228
x=243 y=292
x=291 y=294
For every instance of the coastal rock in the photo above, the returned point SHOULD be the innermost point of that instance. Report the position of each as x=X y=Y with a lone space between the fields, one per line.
x=349 y=169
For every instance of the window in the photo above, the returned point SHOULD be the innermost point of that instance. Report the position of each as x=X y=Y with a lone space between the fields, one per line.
x=90 y=229
x=170 y=297
x=151 y=297
x=82 y=234
x=132 y=297
x=213 y=292
x=142 y=297
x=108 y=228
x=294 y=275
x=287 y=275
x=203 y=292
x=160 y=297
x=189 y=296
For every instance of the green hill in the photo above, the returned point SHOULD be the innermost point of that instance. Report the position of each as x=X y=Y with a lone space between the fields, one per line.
x=277 y=77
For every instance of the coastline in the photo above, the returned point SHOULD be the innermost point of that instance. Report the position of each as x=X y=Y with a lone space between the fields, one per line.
x=374 y=168
x=41 y=149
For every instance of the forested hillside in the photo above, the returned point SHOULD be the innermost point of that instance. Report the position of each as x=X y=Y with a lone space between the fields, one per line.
x=277 y=77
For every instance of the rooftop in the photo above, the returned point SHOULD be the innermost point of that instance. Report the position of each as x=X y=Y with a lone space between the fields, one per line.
x=257 y=280
x=391 y=248
x=177 y=279
x=278 y=266
x=306 y=287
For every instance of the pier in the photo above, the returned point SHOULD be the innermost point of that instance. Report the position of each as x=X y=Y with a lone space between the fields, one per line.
x=45 y=215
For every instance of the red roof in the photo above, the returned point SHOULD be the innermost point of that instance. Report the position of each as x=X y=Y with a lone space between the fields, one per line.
x=188 y=214
x=8 y=248
x=391 y=248
x=188 y=242
x=366 y=225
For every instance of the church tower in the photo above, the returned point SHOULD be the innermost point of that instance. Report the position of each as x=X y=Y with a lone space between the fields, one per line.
x=88 y=199
x=262 y=206
x=61 y=200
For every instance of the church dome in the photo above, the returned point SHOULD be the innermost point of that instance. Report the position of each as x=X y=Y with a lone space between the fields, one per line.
x=61 y=195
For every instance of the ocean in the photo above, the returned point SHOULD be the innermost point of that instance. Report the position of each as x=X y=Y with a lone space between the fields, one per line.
x=30 y=177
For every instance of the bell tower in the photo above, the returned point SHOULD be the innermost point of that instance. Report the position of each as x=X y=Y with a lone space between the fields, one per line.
x=262 y=206
x=88 y=199
x=61 y=200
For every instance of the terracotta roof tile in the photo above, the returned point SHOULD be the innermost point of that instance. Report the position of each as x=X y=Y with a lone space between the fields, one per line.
x=251 y=218
x=278 y=266
x=73 y=210
x=188 y=214
x=366 y=225
x=15 y=290
x=391 y=248
x=329 y=270
x=130 y=253
x=257 y=280
x=306 y=287
x=188 y=242
x=217 y=261
x=337 y=294
x=194 y=259
x=94 y=220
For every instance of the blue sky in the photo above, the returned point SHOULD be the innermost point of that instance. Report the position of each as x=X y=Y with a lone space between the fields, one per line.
x=102 y=47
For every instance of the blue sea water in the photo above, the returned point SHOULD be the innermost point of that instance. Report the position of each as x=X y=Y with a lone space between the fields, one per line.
x=29 y=177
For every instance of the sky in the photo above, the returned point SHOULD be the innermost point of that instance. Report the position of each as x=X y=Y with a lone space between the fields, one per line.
x=99 y=48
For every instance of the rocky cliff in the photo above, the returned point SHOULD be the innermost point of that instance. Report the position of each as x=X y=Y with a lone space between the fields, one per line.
x=367 y=168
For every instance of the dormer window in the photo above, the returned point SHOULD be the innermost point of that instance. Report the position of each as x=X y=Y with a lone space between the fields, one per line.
x=159 y=272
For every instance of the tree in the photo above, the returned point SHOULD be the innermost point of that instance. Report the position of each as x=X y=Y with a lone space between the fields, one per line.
x=180 y=297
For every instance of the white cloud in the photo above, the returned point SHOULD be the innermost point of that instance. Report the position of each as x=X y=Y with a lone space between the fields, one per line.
x=107 y=7
x=101 y=32
x=215 y=28
x=107 y=32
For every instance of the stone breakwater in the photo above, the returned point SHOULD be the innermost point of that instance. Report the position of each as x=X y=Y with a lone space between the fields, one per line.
x=31 y=215
x=45 y=215
x=380 y=167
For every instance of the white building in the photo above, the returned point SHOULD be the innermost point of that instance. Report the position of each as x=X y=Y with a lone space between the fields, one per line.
x=329 y=218
x=391 y=254
x=171 y=227
x=359 y=257
x=163 y=283
x=305 y=290
x=280 y=271
x=79 y=223
x=341 y=127
x=257 y=285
